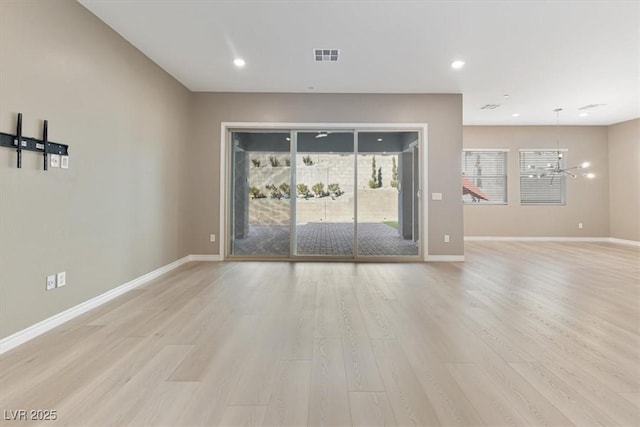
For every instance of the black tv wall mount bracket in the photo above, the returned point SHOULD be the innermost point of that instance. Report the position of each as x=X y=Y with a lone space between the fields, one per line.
x=20 y=143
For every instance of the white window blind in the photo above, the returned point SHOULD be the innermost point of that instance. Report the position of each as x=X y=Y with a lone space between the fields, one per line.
x=484 y=177
x=535 y=189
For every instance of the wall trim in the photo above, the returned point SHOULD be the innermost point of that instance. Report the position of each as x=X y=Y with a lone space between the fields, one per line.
x=624 y=242
x=445 y=258
x=551 y=239
x=205 y=257
x=45 y=325
x=534 y=239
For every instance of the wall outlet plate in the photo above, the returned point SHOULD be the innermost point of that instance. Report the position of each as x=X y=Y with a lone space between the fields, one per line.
x=62 y=279
x=436 y=196
x=51 y=282
x=55 y=160
x=212 y=238
x=64 y=162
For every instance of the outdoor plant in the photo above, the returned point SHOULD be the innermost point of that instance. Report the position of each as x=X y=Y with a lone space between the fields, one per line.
x=274 y=192
x=307 y=160
x=287 y=162
x=254 y=193
x=274 y=161
x=379 y=177
x=394 y=173
x=256 y=162
x=373 y=182
x=318 y=189
x=334 y=189
x=303 y=190
x=286 y=190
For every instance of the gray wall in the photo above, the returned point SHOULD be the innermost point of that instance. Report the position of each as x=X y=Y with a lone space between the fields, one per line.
x=624 y=180
x=587 y=199
x=118 y=212
x=443 y=113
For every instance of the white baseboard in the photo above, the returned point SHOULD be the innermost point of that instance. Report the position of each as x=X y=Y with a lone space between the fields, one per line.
x=624 y=242
x=533 y=239
x=550 y=239
x=205 y=258
x=445 y=258
x=39 y=328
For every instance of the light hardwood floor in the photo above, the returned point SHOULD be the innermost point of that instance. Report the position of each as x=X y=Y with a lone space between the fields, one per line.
x=543 y=334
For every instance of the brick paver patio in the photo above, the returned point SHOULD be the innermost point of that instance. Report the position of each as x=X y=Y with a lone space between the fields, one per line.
x=318 y=238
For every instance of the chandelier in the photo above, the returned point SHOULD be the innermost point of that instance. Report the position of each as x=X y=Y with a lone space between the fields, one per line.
x=557 y=169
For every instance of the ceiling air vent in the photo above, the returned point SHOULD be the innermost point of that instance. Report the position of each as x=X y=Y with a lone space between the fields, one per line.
x=326 y=55
x=490 y=106
x=590 y=106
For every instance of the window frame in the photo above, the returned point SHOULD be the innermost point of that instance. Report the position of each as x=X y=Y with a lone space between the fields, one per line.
x=505 y=176
x=562 y=178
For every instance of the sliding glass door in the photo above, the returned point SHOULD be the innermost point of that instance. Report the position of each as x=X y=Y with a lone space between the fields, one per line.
x=329 y=193
x=325 y=196
x=261 y=194
x=388 y=187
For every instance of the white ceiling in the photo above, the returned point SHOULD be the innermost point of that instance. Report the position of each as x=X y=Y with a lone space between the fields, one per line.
x=544 y=55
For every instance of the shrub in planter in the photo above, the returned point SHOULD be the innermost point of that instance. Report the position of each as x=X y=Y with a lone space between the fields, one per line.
x=274 y=161
x=274 y=192
x=334 y=189
x=256 y=162
x=318 y=189
x=307 y=160
x=303 y=190
x=286 y=189
x=254 y=193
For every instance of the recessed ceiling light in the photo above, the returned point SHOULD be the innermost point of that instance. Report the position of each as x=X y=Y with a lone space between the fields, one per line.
x=506 y=95
x=288 y=139
x=239 y=62
x=379 y=139
x=515 y=115
x=583 y=114
x=456 y=65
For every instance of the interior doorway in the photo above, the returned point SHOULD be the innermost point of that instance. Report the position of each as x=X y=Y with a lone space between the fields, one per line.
x=329 y=193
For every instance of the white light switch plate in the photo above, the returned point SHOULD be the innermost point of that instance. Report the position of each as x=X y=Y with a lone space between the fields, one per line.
x=55 y=160
x=212 y=238
x=62 y=279
x=436 y=196
x=64 y=162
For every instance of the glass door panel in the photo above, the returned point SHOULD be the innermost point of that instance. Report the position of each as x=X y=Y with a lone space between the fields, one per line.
x=260 y=194
x=325 y=193
x=388 y=185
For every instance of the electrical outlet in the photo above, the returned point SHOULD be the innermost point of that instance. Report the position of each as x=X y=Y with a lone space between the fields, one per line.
x=51 y=282
x=579 y=225
x=446 y=238
x=64 y=162
x=55 y=160
x=62 y=279
x=212 y=238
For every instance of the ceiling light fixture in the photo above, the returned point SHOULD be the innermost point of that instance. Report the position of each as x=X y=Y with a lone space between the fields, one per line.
x=557 y=169
x=583 y=114
x=379 y=139
x=239 y=62
x=456 y=65
x=515 y=115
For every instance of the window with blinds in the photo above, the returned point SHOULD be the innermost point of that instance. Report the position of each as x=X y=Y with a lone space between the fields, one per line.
x=549 y=189
x=484 y=177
